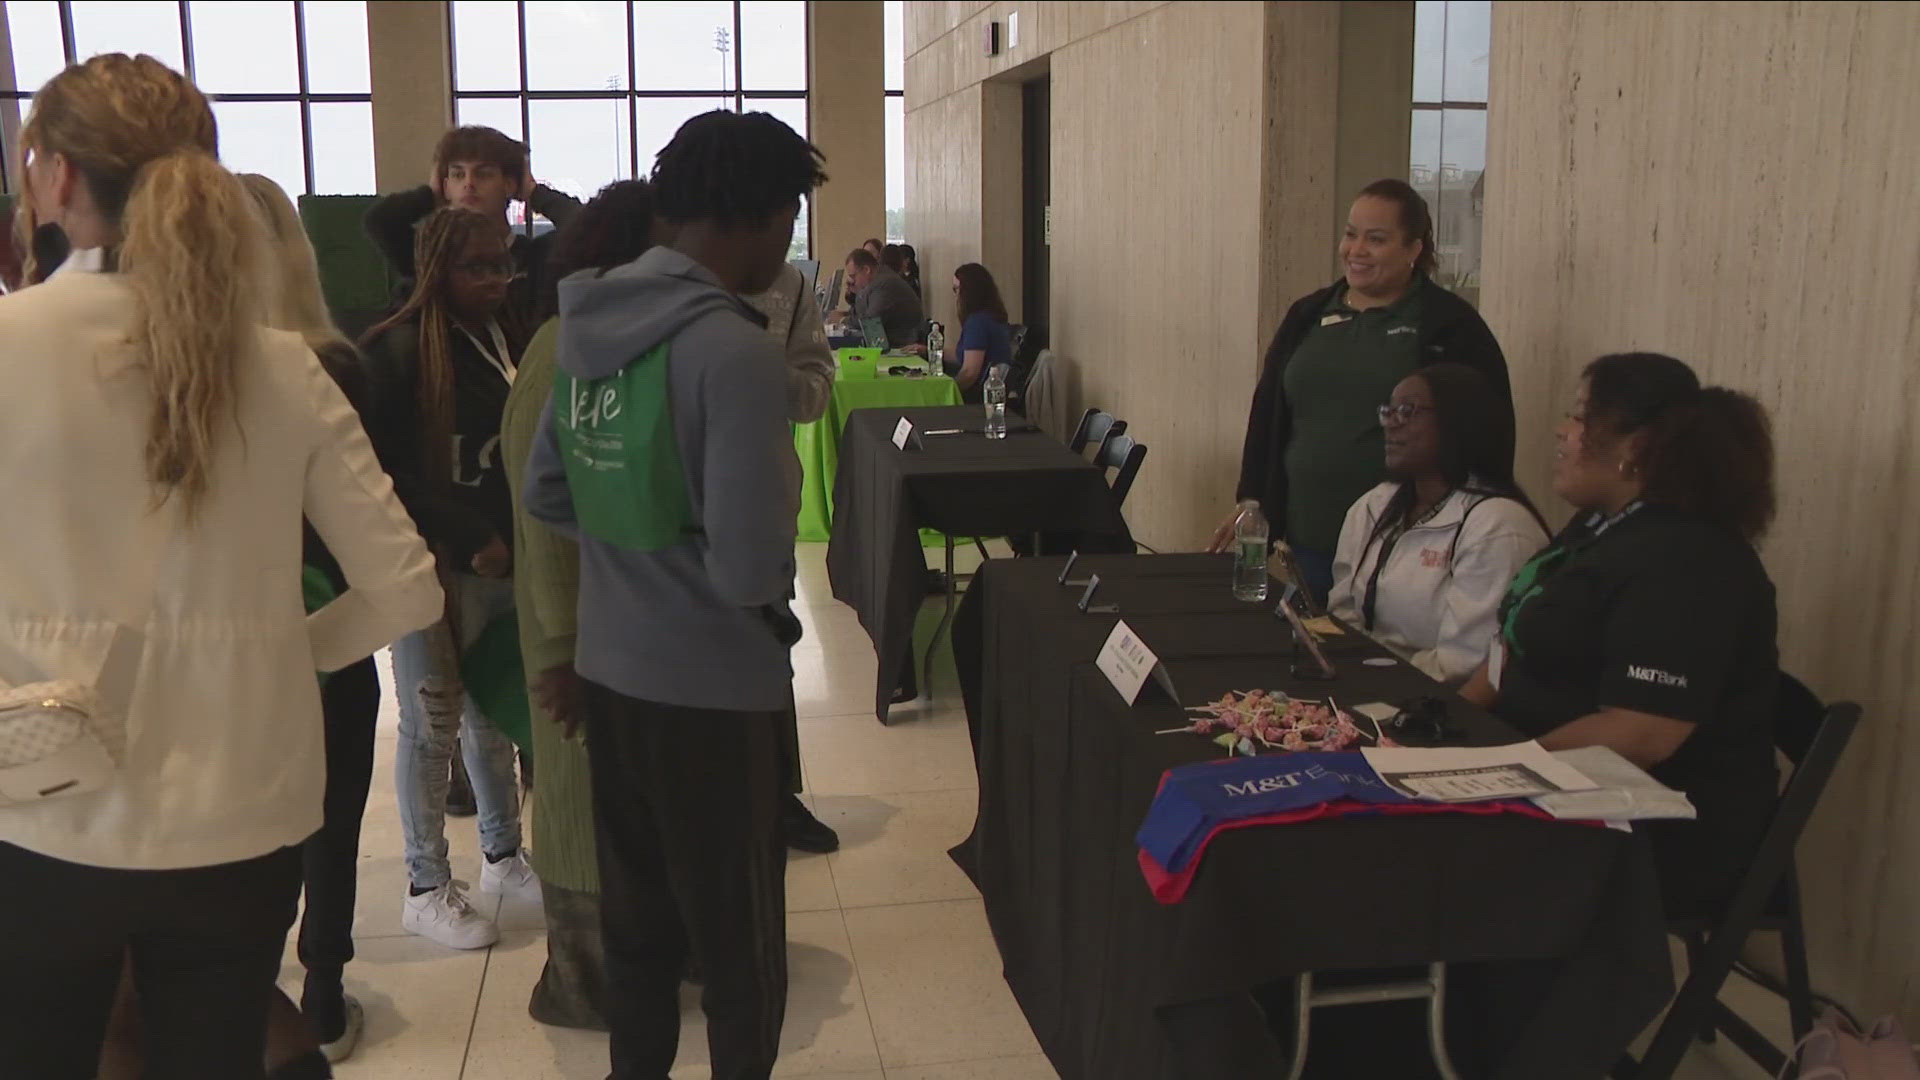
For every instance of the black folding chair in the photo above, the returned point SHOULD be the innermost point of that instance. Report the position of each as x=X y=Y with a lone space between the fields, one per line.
x=1767 y=898
x=1120 y=452
x=1094 y=427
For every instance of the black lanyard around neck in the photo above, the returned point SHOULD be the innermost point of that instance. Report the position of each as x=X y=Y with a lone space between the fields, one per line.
x=1370 y=598
x=1532 y=579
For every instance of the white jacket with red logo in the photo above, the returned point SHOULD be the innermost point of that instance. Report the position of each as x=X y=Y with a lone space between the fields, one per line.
x=1438 y=596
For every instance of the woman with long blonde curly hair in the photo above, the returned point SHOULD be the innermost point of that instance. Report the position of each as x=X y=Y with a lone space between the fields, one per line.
x=162 y=448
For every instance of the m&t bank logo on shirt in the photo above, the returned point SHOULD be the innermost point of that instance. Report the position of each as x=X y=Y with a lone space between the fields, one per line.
x=1403 y=330
x=1656 y=676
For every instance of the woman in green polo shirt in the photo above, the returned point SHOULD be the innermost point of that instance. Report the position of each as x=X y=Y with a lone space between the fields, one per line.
x=1313 y=439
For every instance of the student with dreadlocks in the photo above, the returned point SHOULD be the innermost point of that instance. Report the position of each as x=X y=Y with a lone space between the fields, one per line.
x=665 y=448
x=440 y=370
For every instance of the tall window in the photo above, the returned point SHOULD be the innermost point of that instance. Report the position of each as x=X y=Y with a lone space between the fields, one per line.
x=288 y=78
x=896 y=116
x=1448 y=157
x=597 y=87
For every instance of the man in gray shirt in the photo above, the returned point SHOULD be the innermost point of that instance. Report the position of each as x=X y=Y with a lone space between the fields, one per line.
x=879 y=293
x=676 y=393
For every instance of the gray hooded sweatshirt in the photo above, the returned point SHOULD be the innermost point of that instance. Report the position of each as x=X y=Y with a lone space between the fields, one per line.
x=705 y=622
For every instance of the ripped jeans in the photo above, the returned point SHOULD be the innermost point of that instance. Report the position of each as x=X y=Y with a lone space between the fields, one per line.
x=433 y=711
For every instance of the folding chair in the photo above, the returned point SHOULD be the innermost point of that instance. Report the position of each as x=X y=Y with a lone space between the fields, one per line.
x=1767 y=898
x=1120 y=452
x=1094 y=427
x=1432 y=987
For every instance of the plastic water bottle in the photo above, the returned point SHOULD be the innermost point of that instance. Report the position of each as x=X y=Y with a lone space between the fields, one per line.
x=995 y=396
x=936 y=349
x=1250 y=553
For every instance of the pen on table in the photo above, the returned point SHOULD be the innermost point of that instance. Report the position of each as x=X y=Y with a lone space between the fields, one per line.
x=946 y=431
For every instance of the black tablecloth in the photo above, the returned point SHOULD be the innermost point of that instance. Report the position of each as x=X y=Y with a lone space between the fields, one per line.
x=962 y=485
x=1067 y=772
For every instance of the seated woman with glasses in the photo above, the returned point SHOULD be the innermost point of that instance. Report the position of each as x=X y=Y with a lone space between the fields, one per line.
x=1648 y=624
x=1424 y=558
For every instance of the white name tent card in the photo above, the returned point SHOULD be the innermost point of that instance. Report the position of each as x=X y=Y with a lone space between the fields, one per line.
x=901 y=433
x=1127 y=662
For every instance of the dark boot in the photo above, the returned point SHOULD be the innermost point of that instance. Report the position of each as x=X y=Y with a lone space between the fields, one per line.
x=803 y=831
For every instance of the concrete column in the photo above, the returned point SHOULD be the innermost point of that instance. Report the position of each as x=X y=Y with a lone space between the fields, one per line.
x=846 y=86
x=412 y=88
x=1376 y=84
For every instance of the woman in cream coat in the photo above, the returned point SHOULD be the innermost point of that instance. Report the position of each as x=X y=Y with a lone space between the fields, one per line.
x=161 y=449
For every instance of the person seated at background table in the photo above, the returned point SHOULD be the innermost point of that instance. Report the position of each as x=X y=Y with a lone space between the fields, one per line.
x=880 y=293
x=484 y=170
x=1648 y=624
x=894 y=258
x=984 y=338
x=912 y=272
x=1425 y=558
x=1312 y=443
x=873 y=245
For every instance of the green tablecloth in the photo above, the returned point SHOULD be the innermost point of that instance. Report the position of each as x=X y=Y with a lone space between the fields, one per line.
x=818 y=443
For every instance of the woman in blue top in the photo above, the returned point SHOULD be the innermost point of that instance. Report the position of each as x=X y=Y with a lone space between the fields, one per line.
x=984 y=337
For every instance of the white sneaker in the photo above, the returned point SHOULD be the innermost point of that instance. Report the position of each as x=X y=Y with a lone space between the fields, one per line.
x=342 y=1048
x=512 y=876
x=445 y=916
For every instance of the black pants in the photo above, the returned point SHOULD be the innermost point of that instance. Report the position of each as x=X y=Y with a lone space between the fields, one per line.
x=205 y=945
x=351 y=703
x=686 y=808
x=790 y=780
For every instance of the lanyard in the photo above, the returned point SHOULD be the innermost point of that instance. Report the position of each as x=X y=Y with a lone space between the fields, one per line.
x=1531 y=581
x=498 y=356
x=1387 y=544
x=1626 y=512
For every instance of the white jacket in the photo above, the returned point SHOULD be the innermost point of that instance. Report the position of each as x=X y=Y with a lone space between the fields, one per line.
x=1439 y=593
x=224 y=758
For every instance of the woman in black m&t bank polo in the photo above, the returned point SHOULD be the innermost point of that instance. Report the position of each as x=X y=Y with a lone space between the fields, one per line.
x=1313 y=439
x=1648 y=625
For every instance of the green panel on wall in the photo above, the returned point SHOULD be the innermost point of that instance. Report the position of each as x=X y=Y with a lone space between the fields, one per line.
x=352 y=274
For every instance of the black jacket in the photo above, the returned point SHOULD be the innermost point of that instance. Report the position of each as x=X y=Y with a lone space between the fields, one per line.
x=1450 y=330
x=460 y=514
x=390 y=223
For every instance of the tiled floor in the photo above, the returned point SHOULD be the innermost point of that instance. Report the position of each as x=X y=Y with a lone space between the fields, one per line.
x=893 y=973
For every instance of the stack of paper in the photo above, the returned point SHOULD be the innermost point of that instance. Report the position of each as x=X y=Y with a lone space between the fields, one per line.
x=1589 y=784
x=1474 y=773
x=1624 y=791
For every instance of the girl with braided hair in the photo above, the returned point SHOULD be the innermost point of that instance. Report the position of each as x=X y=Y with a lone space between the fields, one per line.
x=439 y=371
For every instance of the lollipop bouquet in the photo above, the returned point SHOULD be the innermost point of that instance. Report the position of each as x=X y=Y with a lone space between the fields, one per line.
x=1245 y=721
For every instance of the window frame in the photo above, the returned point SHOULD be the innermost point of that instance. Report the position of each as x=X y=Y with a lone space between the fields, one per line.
x=303 y=95
x=736 y=97
x=1442 y=106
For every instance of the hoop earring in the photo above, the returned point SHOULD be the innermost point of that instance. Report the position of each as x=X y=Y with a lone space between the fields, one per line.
x=1627 y=469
